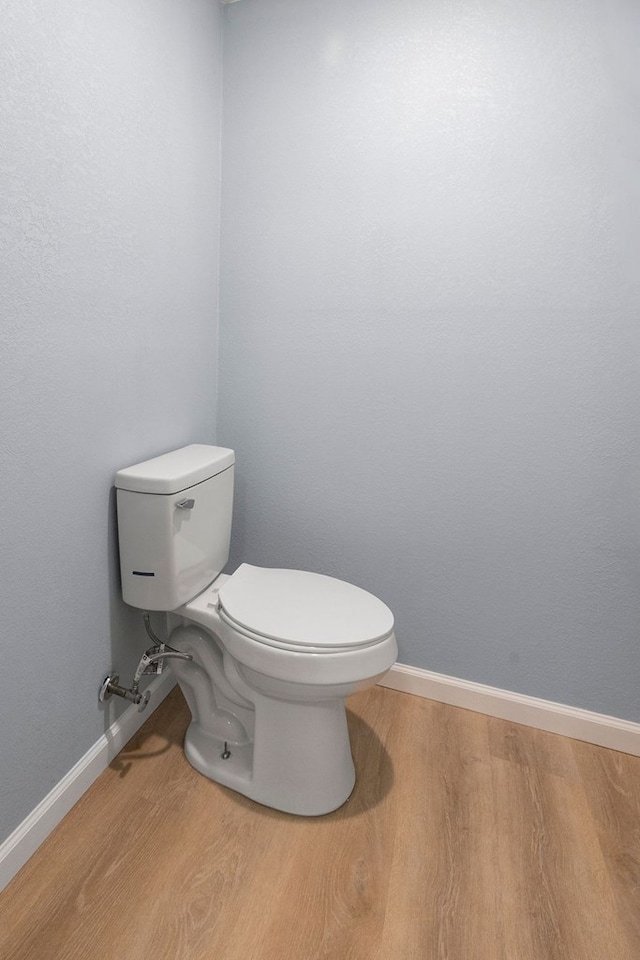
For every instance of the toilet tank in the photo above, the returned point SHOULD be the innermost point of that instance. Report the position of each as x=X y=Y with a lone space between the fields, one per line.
x=174 y=524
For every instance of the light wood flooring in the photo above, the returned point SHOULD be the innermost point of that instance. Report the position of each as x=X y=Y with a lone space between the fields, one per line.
x=466 y=838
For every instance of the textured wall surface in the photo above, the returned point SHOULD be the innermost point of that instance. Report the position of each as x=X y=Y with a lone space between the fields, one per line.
x=429 y=323
x=109 y=224
x=430 y=349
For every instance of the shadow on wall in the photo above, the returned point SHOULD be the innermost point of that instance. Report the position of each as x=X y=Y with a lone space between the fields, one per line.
x=128 y=637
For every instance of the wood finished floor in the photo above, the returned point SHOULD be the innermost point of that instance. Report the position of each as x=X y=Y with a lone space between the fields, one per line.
x=466 y=838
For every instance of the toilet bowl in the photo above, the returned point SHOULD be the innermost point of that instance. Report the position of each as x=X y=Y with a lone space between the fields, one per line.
x=274 y=653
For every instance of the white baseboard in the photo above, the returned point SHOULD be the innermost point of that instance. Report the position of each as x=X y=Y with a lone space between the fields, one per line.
x=571 y=722
x=27 y=837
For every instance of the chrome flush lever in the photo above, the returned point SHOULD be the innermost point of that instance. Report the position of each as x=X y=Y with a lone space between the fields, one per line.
x=185 y=504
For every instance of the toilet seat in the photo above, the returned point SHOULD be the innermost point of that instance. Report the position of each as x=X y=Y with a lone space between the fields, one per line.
x=301 y=611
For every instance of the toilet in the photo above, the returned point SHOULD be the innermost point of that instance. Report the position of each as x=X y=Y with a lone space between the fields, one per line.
x=274 y=653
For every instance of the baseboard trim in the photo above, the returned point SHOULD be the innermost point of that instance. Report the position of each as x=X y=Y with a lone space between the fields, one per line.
x=27 y=837
x=596 y=728
x=573 y=722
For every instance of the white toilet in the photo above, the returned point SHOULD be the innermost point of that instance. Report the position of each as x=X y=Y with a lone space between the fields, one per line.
x=274 y=652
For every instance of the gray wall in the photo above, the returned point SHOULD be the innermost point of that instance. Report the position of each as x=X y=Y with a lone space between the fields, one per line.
x=430 y=323
x=430 y=337
x=109 y=176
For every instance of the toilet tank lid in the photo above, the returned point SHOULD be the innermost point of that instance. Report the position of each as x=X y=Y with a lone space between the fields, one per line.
x=175 y=471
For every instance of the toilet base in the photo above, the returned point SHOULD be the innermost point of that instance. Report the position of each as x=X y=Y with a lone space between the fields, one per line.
x=300 y=761
x=209 y=757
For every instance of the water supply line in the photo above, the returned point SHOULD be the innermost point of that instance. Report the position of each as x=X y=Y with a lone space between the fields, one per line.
x=146 y=617
x=154 y=655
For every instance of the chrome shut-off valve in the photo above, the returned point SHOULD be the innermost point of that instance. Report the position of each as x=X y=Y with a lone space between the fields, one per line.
x=111 y=685
x=156 y=654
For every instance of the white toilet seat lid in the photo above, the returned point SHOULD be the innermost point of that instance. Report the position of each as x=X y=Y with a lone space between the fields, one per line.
x=304 y=610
